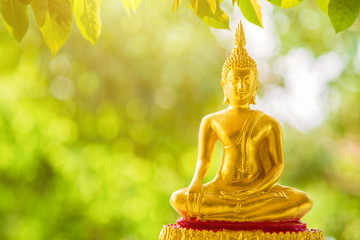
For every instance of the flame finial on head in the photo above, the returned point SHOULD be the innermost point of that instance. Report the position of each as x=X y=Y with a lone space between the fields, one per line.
x=240 y=40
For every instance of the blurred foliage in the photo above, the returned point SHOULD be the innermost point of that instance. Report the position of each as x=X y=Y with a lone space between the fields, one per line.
x=94 y=141
x=54 y=17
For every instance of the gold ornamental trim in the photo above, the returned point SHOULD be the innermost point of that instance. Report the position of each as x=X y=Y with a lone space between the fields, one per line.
x=172 y=232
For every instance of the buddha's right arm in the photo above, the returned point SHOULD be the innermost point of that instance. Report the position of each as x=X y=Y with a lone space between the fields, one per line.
x=207 y=140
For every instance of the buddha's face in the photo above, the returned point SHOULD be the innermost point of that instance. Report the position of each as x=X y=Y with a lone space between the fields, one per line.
x=239 y=86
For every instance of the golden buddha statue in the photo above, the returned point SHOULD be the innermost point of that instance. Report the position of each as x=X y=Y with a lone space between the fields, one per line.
x=245 y=188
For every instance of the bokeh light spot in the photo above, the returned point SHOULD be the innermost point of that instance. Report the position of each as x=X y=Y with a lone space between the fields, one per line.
x=136 y=109
x=309 y=19
x=5 y=154
x=87 y=185
x=58 y=155
x=138 y=171
x=136 y=45
x=88 y=83
x=87 y=126
x=60 y=65
x=62 y=88
x=123 y=146
x=356 y=62
x=23 y=122
x=8 y=90
x=142 y=133
x=30 y=229
x=282 y=22
x=137 y=208
x=101 y=211
x=109 y=126
x=165 y=97
x=63 y=130
x=176 y=41
x=352 y=229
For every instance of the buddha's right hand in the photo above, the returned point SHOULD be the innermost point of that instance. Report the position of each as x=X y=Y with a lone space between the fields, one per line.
x=193 y=199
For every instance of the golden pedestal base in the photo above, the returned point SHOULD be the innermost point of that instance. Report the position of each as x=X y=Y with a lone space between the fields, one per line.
x=173 y=232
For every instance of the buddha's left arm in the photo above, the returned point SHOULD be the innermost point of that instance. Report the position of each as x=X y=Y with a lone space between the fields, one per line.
x=273 y=140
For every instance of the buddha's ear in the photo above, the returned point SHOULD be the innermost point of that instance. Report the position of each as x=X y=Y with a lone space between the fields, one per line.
x=223 y=83
x=252 y=100
x=226 y=100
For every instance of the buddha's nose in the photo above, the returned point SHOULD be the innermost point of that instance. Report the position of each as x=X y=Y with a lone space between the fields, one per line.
x=240 y=85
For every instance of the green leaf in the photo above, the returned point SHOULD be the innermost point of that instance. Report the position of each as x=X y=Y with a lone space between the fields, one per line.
x=87 y=17
x=219 y=19
x=323 y=5
x=175 y=6
x=275 y=2
x=131 y=5
x=26 y=2
x=54 y=19
x=343 y=13
x=194 y=5
x=251 y=10
x=15 y=17
x=212 y=5
x=290 y=3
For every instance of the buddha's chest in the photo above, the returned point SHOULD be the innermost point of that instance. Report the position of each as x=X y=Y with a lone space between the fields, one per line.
x=234 y=131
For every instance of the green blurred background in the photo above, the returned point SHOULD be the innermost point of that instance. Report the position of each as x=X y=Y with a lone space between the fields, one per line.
x=94 y=141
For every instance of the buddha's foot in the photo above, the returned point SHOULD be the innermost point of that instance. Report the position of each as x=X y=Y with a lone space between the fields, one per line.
x=192 y=229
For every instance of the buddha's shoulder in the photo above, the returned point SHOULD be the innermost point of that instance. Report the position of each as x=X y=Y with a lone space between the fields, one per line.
x=225 y=113
x=215 y=115
x=268 y=120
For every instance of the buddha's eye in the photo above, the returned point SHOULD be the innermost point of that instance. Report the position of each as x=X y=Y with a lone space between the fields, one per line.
x=246 y=79
x=235 y=79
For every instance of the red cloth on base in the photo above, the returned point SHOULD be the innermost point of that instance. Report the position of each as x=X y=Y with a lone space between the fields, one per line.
x=294 y=225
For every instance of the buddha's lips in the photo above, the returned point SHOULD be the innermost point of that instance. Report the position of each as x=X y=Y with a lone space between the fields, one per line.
x=242 y=93
x=267 y=226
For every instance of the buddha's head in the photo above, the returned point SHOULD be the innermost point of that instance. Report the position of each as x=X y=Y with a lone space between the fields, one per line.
x=239 y=74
